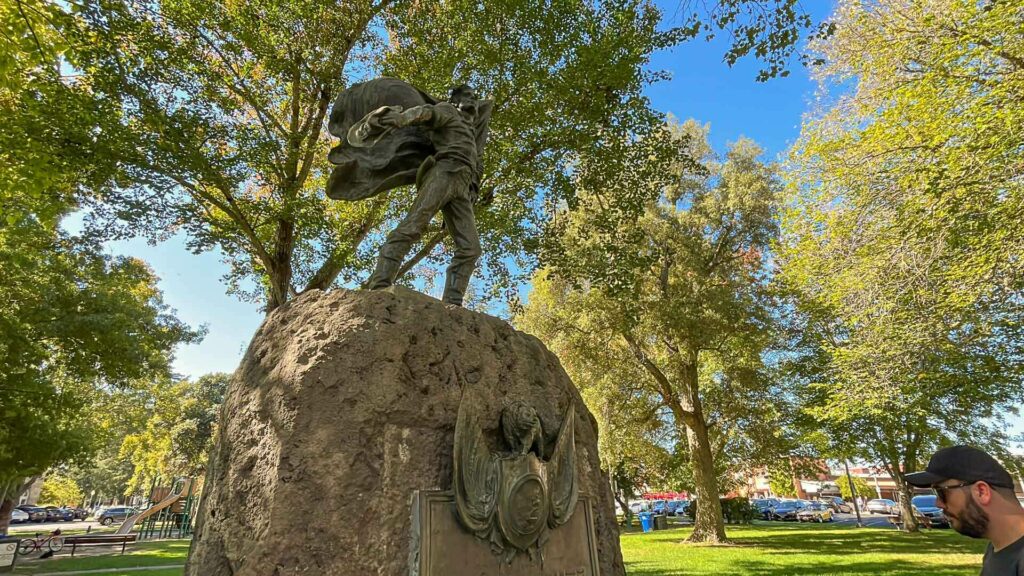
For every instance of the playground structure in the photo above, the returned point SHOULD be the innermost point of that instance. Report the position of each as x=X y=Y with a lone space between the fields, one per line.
x=169 y=515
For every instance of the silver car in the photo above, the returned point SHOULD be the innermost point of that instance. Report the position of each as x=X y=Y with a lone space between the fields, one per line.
x=882 y=506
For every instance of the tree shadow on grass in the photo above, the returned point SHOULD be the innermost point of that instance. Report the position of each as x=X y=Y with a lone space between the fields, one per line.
x=810 y=568
x=775 y=547
x=798 y=540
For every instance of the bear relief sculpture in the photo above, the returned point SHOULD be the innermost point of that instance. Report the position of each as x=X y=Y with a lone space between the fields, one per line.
x=513 y=499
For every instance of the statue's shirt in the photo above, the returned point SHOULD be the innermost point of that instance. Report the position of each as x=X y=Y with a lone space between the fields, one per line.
x=452 y=134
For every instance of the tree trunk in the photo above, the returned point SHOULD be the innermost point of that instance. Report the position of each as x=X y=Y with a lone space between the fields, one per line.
x=708 y=525
x=627 y=514
x=910 y=523
x=10 y=491
x=280 y=274
x=5 y=515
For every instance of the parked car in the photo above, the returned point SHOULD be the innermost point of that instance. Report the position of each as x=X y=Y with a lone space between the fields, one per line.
x=80 y=513
x=58 y=514
x=35 y=513
x=638 y=507
x=881 y=506
x=658 y=507
x=683 y=508
x=673 y=506
x=925 y=506
x=815 y=512
x=837 y=504
x=53 y=514
x=762 y=505
x=114 y=514
x=70 y=512
x=786 y=510
x=18 y=516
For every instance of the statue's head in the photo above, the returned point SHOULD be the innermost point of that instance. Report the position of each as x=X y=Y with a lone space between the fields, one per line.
x=464 y=98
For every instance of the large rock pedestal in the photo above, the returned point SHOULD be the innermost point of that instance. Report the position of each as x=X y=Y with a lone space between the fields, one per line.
x=344 y=405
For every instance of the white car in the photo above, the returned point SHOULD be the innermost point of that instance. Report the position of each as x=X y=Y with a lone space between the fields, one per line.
x=639 y=506
x=18 y=516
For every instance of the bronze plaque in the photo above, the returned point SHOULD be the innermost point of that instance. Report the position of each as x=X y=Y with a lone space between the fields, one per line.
x=441 y=547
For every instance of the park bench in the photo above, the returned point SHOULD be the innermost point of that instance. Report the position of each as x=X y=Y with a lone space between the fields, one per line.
x=99 y=540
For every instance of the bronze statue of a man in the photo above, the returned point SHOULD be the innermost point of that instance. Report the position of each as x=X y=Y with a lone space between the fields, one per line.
x=447 y=181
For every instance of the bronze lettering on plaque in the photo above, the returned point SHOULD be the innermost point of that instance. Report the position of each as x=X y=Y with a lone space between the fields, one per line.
x=441 y=547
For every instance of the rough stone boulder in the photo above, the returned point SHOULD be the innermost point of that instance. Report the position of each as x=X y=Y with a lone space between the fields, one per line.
x=344 y=404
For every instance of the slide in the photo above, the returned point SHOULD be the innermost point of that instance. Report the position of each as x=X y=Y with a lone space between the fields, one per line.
x=173 y=497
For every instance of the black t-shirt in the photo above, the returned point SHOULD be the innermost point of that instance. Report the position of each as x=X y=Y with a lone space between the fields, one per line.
x=1007 y=562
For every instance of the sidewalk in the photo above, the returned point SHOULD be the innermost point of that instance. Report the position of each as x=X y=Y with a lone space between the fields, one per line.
x=111 y=570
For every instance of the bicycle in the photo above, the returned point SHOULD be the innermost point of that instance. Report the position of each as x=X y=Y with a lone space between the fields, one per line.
x=54 y=542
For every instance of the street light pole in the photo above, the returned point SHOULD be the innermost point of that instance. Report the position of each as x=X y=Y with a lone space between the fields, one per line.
x=853 y=494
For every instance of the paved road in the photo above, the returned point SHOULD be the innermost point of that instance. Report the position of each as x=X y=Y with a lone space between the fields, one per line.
x=112 y=570
x=30 y=528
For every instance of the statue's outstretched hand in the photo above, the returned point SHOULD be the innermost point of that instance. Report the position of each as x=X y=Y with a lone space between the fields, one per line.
x=390 y=118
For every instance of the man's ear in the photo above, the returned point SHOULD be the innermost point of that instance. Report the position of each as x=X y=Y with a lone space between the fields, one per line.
x=983 y=493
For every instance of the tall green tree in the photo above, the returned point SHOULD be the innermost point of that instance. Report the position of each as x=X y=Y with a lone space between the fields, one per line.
x=901 y=232
x=684 y=320
x=76 y=324
x=924 y=118
x=780 y=479
x=179 y=430
x=60 y=489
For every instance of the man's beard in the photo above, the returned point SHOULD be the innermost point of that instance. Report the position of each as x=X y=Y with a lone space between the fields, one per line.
x=972 y=521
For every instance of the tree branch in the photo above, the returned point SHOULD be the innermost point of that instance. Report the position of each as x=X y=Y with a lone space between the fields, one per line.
x=309 y=155
x=329 y=270
x=664 y=386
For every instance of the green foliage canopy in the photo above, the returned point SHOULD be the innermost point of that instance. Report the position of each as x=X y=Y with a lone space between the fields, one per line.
x=61 y=490
x=901 y=233
x=76 y=324
x=208 y=117
x=178 y=432
x=860 y=486
x=220 y=131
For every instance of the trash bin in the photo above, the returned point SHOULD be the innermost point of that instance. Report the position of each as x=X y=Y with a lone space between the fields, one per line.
x=660 y=522
x=646 y=521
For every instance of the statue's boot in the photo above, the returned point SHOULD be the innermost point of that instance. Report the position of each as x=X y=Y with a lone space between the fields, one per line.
x=455 y=283
x=384 y=275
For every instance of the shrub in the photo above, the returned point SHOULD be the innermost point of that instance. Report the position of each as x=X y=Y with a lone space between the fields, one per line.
x=734 y=510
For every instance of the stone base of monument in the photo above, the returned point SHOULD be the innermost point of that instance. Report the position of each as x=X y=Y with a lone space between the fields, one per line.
x=343 y=412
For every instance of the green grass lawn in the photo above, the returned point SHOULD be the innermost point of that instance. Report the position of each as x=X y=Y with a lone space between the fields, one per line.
x=777 y=549
x=158 y=553
x=763 y=550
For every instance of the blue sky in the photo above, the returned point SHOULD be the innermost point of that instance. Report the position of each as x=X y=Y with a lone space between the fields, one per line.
x=702 y=87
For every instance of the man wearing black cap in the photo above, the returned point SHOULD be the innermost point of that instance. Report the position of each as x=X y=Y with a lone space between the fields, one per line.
x=976 y=493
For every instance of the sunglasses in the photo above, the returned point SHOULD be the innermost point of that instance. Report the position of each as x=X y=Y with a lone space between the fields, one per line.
x=940 y=491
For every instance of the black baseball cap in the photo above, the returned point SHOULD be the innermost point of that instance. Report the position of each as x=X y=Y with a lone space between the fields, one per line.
x=965 y=463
